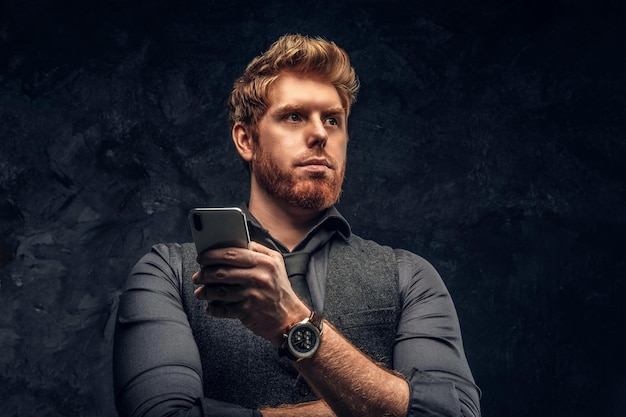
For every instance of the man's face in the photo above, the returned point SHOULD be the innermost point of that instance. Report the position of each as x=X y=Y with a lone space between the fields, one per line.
x=300 y=150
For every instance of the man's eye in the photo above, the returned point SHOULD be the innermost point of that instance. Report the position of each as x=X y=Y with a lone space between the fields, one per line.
x=293 y=117
x=332 y=121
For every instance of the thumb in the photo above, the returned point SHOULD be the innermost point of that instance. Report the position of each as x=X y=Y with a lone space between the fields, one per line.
x=257 y=247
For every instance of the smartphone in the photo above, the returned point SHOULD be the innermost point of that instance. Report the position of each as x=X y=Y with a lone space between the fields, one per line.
x=218 y=228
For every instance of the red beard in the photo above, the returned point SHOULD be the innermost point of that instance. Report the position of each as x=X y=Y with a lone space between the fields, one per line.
x=315 y=191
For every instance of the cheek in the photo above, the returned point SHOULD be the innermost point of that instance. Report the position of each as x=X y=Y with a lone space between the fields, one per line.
x=337 y=150
x=279 y=154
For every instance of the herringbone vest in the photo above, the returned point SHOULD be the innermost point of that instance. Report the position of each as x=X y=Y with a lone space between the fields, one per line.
x=362 y=301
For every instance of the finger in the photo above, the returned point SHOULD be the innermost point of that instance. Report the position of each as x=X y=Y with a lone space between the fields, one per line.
x=269 y=259
x=197 y=278
x=237 y=257
x=257 y=247
x=245 y=277
x=201 y=276
x=223 y=293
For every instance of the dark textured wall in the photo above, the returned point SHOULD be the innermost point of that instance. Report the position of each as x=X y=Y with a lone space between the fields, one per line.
x=488 y=137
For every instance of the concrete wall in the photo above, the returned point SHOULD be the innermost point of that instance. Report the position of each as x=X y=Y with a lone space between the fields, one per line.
x=488 y=137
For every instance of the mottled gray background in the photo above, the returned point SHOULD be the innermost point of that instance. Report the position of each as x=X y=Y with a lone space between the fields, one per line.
x=488 y=137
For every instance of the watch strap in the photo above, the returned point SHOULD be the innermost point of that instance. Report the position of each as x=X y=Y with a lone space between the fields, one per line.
x=316 y=321
x=283 y=351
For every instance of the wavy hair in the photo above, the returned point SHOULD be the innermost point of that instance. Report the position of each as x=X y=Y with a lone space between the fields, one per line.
x=248 y=101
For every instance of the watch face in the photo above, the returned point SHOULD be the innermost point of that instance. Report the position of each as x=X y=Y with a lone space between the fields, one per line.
x=303 y=340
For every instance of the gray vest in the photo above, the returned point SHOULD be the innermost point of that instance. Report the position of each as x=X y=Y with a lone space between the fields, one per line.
x=362 y=301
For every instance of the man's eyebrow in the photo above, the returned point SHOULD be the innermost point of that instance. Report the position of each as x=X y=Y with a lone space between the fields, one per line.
x=288 y=107
x=297 y=107
x=335 y=110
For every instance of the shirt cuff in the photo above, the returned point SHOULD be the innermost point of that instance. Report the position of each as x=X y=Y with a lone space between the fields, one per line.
x=432 y=396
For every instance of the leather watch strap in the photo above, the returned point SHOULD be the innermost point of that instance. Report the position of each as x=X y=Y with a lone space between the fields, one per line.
x=316 y=321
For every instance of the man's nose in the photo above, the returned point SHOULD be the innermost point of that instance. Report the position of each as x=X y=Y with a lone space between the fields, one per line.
x=317 y=134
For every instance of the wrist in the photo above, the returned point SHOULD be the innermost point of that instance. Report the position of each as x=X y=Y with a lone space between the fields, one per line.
x=292 y=316
x=303 y=338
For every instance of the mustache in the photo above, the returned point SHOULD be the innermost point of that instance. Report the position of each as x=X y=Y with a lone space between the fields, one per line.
x=316 y=158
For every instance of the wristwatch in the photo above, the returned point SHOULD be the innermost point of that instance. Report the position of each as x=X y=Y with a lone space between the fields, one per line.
x=302 y=339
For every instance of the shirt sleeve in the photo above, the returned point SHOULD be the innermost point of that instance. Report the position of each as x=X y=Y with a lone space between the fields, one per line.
x=156 y=363
x=429 y=348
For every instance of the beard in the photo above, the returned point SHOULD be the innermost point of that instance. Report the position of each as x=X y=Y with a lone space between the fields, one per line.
x=312 y=191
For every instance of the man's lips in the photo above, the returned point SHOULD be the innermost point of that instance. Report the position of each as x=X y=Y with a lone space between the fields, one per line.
x=315 y=162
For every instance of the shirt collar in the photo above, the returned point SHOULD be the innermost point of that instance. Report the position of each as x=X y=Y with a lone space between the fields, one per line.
x=331 y=222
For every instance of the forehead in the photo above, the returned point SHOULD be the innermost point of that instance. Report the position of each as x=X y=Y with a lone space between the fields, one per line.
x=291 y=89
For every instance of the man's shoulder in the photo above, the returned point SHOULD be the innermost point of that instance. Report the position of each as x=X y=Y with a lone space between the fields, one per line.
x=370 y=244
x=166 y=259
x=369 y=253
x=356 y=240
x=170 y=252
x=409 y=263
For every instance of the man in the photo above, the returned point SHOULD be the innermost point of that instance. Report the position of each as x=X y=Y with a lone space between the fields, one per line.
x=310 y=320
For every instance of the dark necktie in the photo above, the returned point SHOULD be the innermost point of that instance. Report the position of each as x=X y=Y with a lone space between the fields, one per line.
x=297 y=264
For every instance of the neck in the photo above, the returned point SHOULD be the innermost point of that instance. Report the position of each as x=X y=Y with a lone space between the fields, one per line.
x=286 y=223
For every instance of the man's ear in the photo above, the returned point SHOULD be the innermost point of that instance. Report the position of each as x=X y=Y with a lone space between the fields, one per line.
x=242 y=137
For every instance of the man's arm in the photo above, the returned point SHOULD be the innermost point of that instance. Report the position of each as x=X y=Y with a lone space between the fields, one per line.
x=428 y=351
x=253 y=287
x=350 y=382
x=311 y=409
x=429 y=347
x=157 y=369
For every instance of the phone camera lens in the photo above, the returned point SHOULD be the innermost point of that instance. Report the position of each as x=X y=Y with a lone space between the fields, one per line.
x=197 y=221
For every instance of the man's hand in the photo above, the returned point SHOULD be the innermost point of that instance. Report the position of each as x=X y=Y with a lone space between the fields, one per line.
x=251 y=285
